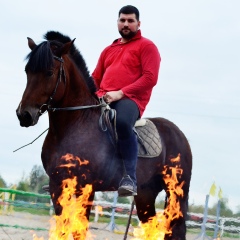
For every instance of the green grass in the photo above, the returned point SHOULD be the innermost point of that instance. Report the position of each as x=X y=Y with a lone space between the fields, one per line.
x=118 y=221
x=34 y=211
x=210 y=233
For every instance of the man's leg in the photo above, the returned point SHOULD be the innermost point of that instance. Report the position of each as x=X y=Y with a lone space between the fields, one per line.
x=127 y=114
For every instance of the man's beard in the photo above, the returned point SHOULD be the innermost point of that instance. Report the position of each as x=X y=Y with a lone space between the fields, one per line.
x=128 y=35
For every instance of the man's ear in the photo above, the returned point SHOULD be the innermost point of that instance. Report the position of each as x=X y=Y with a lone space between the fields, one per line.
x=139 y=24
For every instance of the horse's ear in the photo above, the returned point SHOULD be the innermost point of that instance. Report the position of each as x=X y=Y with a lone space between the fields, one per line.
x=31 y=43
x=66 y=47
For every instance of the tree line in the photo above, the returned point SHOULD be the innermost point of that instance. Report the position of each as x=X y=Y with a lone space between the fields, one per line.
x=33 y=182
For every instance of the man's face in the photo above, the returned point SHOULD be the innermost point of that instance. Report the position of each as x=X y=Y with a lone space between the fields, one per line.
x=128 y=25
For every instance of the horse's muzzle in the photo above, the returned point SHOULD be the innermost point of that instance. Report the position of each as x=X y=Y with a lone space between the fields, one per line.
x=26 y=119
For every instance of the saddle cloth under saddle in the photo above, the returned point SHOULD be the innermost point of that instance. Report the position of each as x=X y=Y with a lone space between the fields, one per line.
x=149 y=141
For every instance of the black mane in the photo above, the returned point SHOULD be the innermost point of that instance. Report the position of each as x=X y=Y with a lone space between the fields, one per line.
x=41 y=58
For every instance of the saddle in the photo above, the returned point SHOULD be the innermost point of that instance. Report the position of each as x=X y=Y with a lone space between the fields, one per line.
x=149 y=140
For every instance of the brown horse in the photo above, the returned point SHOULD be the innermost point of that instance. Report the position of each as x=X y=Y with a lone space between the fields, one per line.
x=59 y=82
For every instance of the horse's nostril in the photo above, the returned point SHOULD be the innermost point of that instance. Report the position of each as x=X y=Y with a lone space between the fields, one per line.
x=27 y=115
x=25 y=119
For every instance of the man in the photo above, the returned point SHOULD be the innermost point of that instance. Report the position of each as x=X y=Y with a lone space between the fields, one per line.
x=125 y=74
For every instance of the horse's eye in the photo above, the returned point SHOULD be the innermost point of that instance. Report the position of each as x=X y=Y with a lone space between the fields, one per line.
x=49 y=73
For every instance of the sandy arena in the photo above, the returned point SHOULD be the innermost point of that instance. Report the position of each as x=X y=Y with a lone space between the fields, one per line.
x=20 y=220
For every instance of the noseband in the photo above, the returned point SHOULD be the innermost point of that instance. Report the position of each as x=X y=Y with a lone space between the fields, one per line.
x=50 y=108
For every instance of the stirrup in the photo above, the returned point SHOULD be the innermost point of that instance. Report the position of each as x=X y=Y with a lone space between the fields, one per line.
x=127 y=187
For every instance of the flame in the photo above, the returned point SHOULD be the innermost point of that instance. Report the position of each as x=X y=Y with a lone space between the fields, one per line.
x=72 y=221
x=158 y=226
x=69 y=158
x=99 y=209
x=35 y=237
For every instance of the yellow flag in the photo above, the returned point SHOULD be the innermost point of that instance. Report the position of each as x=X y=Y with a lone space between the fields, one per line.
x=220 y=193
x=212 y=191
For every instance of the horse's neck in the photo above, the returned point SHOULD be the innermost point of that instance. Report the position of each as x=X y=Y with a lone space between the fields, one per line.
x=70 y=125
x=76 y=93
x=77 y=90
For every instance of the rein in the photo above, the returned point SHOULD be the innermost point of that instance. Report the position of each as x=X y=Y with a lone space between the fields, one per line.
x=104 y=121
x=77 y=107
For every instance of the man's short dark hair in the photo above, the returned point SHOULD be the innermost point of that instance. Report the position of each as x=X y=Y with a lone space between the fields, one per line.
x=129 y=9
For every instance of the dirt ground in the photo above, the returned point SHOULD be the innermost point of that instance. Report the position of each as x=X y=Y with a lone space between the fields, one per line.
x=19 y=226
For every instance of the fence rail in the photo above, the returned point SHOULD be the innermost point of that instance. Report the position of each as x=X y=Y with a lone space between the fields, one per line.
x=27 y=194
x=226 y=224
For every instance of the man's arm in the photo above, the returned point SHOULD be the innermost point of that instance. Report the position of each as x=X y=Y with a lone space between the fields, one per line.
x=99 y=71
x=150 y=61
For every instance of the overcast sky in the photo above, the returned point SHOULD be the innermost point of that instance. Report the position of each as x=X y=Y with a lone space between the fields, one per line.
x=198 y=87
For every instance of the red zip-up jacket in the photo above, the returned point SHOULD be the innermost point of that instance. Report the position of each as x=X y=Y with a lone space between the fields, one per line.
x=132 y=67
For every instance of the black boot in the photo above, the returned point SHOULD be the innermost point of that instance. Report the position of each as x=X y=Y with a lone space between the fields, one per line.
x=128 y=149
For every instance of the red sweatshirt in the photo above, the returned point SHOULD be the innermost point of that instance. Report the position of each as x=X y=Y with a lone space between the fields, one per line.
x=131 y=67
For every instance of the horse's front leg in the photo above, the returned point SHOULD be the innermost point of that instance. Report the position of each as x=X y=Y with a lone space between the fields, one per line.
x=72 y=205
x=55 y=190
x=81 y=233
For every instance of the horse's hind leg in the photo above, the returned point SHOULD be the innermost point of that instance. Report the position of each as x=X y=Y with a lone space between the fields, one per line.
x=178 y=226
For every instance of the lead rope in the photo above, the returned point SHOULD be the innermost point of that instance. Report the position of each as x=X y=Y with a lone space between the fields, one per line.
x=32 y=141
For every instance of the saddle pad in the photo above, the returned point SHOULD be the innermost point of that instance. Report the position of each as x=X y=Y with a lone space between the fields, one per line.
x=149 y=141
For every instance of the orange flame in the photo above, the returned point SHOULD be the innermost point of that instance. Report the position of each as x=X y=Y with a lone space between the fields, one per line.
x=69 y=158
x=99 y=209
x=158 y=226
x=72 y=221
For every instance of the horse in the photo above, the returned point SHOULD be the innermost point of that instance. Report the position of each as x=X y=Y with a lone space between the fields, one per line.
x=59 y=83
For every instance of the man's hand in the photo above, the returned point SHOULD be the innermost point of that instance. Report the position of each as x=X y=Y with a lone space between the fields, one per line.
x=113 y=96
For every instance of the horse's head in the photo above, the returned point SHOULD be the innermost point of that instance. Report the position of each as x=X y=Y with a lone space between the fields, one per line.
x=45 y=79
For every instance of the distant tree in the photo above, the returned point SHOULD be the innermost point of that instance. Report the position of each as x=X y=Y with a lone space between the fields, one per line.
x=225 y=211
x=237 y=214
x=2 y=182
x=109 y=197
x=196 y=208
x=23 y=184
x=37 y=179
x=124 y=200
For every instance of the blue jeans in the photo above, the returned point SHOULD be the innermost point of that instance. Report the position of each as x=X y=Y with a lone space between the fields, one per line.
x=127 y=114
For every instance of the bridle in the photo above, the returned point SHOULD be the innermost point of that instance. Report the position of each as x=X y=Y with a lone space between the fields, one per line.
x=48 y=104
x=61 y=72
x=104 y=107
